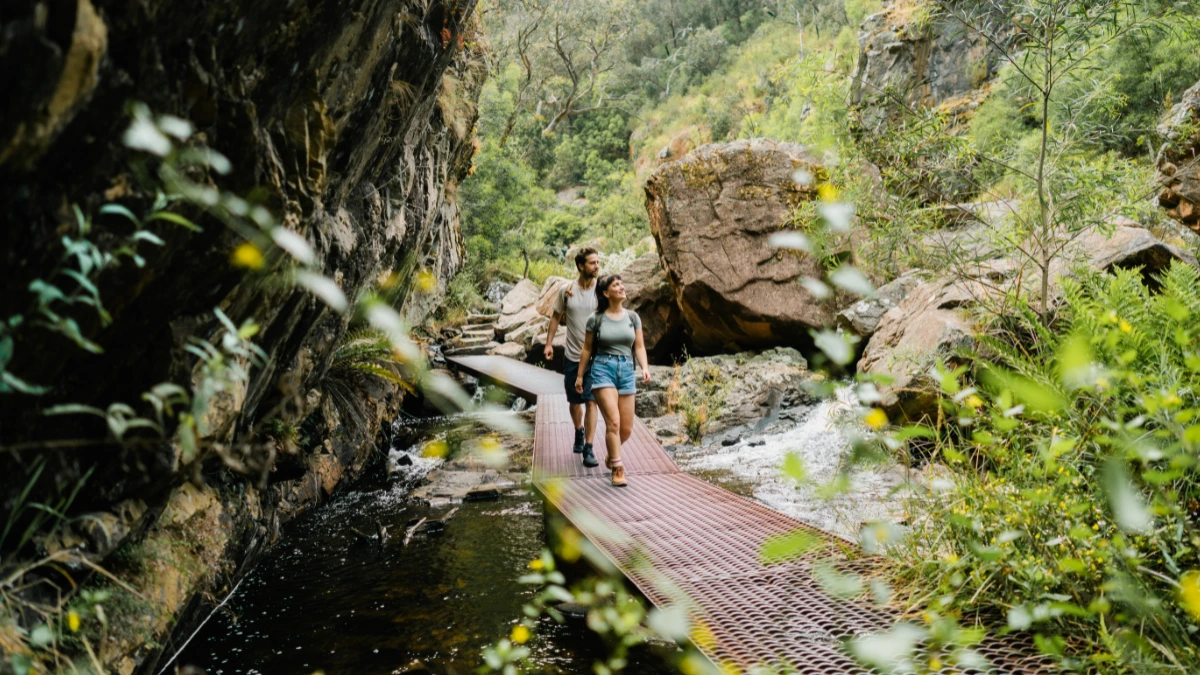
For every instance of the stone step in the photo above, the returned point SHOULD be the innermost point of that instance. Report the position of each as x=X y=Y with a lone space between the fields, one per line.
x=479 y=326
x=471 y=340
x=472 y=350
x=476 y=332
x=481 y=318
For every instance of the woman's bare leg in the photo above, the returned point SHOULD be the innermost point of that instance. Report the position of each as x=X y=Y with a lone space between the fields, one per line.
x=625 y=409
x=606 y=400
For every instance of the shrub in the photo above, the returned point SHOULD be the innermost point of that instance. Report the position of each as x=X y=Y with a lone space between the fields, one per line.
x=1075 y=490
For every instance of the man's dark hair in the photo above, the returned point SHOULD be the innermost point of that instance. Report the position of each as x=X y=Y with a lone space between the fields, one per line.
x=582 y=255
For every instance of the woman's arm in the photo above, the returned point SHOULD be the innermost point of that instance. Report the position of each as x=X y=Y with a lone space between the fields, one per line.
x=639 y=347
x=584 y=355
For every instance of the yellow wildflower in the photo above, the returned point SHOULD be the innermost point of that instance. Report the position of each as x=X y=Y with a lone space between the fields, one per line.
x=827 y=192
x=426 y=281
x=876 y=419
x=1124 y=326
x=974 y=401
x=73 y=621
x=520 y=634
x=248 y=256
x=1189 y=593
x=536 y=564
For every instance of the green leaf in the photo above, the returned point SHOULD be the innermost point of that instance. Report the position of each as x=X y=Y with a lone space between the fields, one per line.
x=838 y=584
x=781 y=547
x=83 y=282
x=174 y=218
x=74 y=409
x=847 y=277
x=21 y=664
x=47 y=293
x=1035 y=396
x=41 y=636
x=16 y=383
x=793 y=467
x=118 y=210
x=1128 y=509
x=148 y=236
x=839 y=347
x=324 y=288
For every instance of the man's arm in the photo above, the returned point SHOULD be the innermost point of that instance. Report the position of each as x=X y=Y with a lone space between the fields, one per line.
x=555 y=319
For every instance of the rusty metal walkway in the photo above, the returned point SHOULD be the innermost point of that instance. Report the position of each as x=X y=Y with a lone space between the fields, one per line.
x=681 y=537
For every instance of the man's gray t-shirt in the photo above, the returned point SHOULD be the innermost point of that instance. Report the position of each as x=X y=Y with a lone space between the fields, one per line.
x=616 y=335
x=575 y=311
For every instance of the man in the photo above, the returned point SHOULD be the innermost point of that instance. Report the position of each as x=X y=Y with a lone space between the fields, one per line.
x=574 y=302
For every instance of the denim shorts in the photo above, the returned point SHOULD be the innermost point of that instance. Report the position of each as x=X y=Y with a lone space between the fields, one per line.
x=570 y=372
x=615 y=372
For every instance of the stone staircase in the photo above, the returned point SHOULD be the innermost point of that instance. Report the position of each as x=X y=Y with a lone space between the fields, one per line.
x=478 y=336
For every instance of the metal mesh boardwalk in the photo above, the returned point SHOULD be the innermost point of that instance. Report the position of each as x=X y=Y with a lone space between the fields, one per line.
x=680 y=539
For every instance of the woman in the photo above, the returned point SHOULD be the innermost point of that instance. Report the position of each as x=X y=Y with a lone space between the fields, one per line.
x=614 y=336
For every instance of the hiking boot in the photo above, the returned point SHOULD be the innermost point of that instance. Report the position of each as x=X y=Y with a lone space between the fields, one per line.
x=589 y=458
x=618 y=475
x=578 y=441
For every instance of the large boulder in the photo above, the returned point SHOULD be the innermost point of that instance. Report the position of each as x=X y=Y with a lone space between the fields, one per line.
x=926 y=327
x=649 y=294
x=517 y=308
x=712 y=214
x=1178 y=168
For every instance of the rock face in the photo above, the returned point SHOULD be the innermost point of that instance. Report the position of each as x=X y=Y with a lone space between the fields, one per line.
x=712 y=214
x=352 y=122
x=911 y=337
x=934 y=319
x=734 y=389
x=1178 y=165
x=920 y=55
x=863 y=317
x=649 y=294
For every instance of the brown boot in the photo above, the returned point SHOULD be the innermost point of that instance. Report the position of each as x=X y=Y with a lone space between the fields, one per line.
x=618 y=474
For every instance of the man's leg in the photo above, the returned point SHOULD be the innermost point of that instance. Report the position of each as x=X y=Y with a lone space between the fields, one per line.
x=576 y=401
x=589 y=423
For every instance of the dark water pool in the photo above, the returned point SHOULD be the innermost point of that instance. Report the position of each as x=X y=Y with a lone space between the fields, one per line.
x=326 y=600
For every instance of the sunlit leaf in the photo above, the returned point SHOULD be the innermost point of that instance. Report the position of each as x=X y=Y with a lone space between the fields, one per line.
x=791 y=240
x=793 y=467
x=837 y=215
x=324 y=288
x=1128 y=509
x=891 y=650
x=849 y=278
x=671 y=622
x=144 y=135
x=836 y=583
x=294 y=244
x=778 y=548
x=175 y=126
x=816 y=287
x=1033 y=395
x=839 y=347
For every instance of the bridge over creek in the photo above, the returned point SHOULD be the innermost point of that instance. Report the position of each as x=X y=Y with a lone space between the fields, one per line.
x=680 y=539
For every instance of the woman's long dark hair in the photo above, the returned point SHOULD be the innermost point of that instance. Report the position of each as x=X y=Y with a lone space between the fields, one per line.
x=602 y=286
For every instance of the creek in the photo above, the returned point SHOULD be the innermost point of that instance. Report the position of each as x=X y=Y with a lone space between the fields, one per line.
x=328 y=599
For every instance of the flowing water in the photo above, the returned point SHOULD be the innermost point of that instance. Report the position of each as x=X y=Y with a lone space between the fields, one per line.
x=752 y=467
x=329 y=599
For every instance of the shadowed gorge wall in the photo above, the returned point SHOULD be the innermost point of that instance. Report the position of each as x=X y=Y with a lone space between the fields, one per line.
x=352 y=121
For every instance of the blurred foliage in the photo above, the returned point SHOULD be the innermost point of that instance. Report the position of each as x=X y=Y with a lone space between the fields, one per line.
x=1073 y=499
